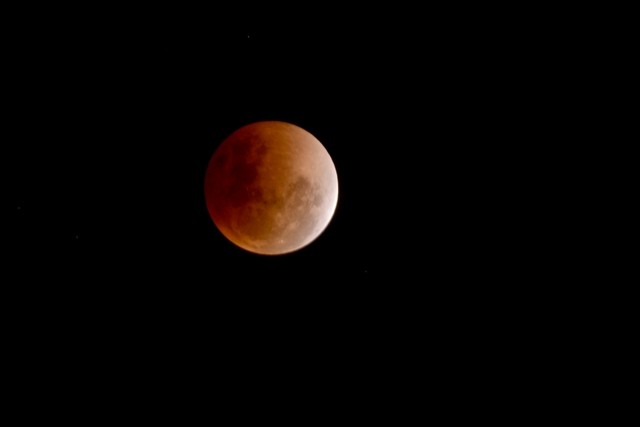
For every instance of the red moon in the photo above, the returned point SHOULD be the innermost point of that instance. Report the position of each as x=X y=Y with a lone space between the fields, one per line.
x=271 y=188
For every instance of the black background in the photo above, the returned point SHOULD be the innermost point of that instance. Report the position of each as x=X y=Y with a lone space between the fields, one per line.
x=433 y=122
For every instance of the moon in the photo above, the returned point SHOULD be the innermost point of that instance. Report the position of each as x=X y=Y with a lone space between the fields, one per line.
x=271 y=188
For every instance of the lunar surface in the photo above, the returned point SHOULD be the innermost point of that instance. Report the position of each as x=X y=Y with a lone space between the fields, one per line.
x=271 y=188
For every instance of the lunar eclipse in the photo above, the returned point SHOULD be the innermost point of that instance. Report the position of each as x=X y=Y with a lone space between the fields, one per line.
x=271 y=188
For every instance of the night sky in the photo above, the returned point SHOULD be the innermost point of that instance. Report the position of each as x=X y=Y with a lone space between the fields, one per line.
x=430 y=122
